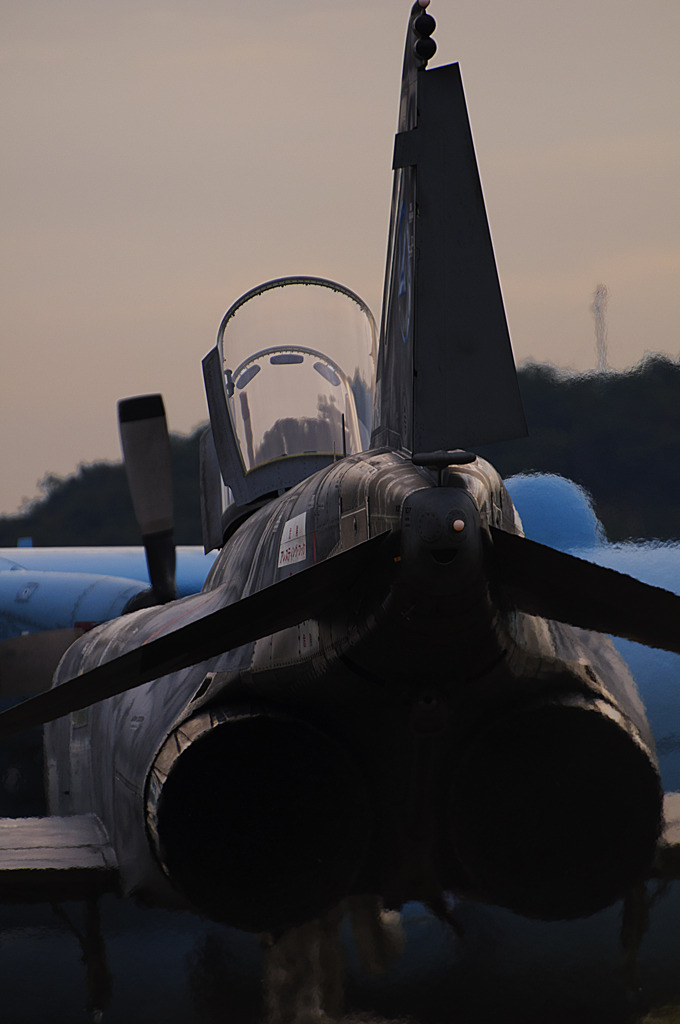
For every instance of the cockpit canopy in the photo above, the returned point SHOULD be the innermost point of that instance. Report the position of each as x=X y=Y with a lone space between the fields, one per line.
x=278 y=408
x=296 y=364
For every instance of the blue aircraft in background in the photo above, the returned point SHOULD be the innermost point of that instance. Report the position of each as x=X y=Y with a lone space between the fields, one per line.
x=53 y=588
x=55 y=594
x=559 y=513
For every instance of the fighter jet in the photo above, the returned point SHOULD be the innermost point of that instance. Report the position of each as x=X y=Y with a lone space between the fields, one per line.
x=383 y=687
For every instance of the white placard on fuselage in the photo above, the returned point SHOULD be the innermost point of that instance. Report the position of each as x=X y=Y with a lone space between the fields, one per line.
x=293 y=541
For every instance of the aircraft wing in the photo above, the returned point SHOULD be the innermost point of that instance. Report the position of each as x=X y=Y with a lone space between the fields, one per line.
x=52 y=859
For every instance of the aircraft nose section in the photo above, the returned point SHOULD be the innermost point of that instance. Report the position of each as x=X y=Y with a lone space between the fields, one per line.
x=441 y=548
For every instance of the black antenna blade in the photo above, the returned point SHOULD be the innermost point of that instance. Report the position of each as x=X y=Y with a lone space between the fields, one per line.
x=146 y=454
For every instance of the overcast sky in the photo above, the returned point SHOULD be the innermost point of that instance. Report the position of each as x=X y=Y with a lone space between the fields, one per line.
x=160 y=157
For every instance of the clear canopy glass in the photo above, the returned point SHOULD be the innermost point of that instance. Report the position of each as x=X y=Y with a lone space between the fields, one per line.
x=299 y=370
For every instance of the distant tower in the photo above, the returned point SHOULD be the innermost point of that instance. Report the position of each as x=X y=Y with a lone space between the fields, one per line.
x=599 y=308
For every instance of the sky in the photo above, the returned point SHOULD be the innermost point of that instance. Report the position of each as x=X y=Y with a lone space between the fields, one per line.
x=160 y=157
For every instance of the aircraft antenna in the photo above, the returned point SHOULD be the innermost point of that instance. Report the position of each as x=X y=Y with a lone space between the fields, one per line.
x=599 y=309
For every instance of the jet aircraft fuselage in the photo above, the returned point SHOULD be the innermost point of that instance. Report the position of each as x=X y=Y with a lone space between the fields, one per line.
x=383 y=688
x=419 y=737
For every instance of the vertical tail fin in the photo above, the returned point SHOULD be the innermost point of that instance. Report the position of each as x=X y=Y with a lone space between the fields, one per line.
x=446 y=374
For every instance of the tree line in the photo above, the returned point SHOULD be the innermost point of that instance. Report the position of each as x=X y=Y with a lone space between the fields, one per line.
x=615 y=433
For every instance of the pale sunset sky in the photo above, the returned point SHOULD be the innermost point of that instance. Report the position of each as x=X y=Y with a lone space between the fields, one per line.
x=160 y=157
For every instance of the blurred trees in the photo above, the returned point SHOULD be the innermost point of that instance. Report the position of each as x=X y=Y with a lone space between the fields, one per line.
x=616 y=434
x=93 y=506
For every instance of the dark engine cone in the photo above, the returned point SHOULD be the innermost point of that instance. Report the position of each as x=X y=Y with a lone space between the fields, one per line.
x=261 y=821
x=556 y=809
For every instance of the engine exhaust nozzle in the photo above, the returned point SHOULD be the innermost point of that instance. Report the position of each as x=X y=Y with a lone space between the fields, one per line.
x=259 y=819
x=556 y=808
